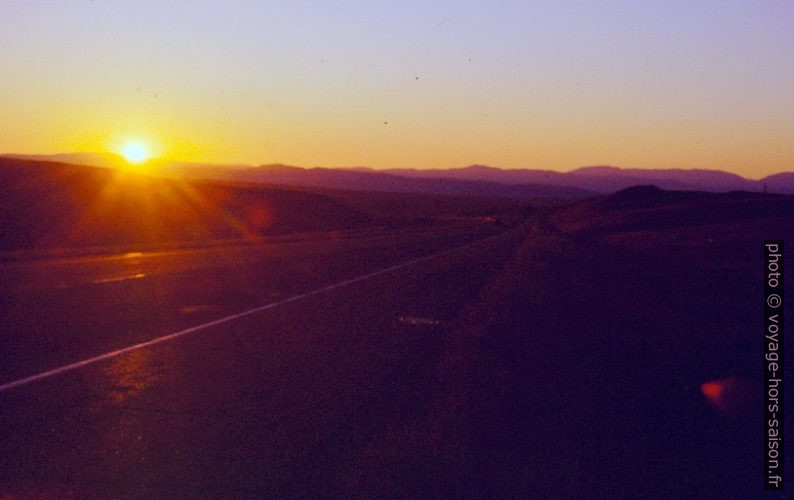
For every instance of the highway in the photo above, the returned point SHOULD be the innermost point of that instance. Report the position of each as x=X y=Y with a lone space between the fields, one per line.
x=282 y=347
x=60 y=311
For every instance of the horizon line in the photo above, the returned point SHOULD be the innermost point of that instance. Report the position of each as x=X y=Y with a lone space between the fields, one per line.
x=166 y=160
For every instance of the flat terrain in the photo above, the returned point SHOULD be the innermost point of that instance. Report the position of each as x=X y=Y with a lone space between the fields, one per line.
x=564 y=357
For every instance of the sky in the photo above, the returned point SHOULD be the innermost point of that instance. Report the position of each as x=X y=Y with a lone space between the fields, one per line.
x=535 y=84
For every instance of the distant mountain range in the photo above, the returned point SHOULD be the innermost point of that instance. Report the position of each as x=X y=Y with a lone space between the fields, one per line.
x=472 y=180
x=607 y=179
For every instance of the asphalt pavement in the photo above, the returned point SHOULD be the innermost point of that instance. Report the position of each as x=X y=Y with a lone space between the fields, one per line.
x=238 y=407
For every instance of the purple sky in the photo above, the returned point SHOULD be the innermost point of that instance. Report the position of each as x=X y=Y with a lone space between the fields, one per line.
x=423 y=84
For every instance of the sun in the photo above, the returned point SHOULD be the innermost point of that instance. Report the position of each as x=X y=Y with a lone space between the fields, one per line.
x=135 y=152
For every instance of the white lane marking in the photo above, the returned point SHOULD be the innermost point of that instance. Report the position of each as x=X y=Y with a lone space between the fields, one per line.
x=204 y=326
x=119 y=278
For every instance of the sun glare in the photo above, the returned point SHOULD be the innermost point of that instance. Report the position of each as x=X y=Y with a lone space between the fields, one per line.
x=135 y=152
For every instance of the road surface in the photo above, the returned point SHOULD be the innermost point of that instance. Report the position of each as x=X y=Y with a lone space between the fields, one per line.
x=242 y=408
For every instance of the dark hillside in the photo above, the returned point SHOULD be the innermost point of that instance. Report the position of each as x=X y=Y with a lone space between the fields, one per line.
x=47 y=205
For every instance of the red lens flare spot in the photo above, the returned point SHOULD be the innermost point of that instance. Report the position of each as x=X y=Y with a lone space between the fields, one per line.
x=731 y=396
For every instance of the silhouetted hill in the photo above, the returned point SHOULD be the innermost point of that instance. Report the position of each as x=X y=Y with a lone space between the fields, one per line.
x=358 y=179
x=486 y=173
x=491 y=181
x=472 y=180
x=47 y=205
x=636 y=194
x=602 y=179
x=107 y=160
x=706 y=180
x=778 y=183
x=370 y=180
x=50 y=205
x=112 y=160
x=651 y=208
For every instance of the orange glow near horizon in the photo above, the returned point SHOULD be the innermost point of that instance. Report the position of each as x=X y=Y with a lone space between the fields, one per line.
x=549 y=85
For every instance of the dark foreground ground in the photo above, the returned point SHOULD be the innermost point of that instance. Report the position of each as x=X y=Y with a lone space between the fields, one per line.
x=562 y=358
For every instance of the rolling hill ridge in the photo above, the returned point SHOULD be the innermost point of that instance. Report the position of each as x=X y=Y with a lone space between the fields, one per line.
x=479 y=180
